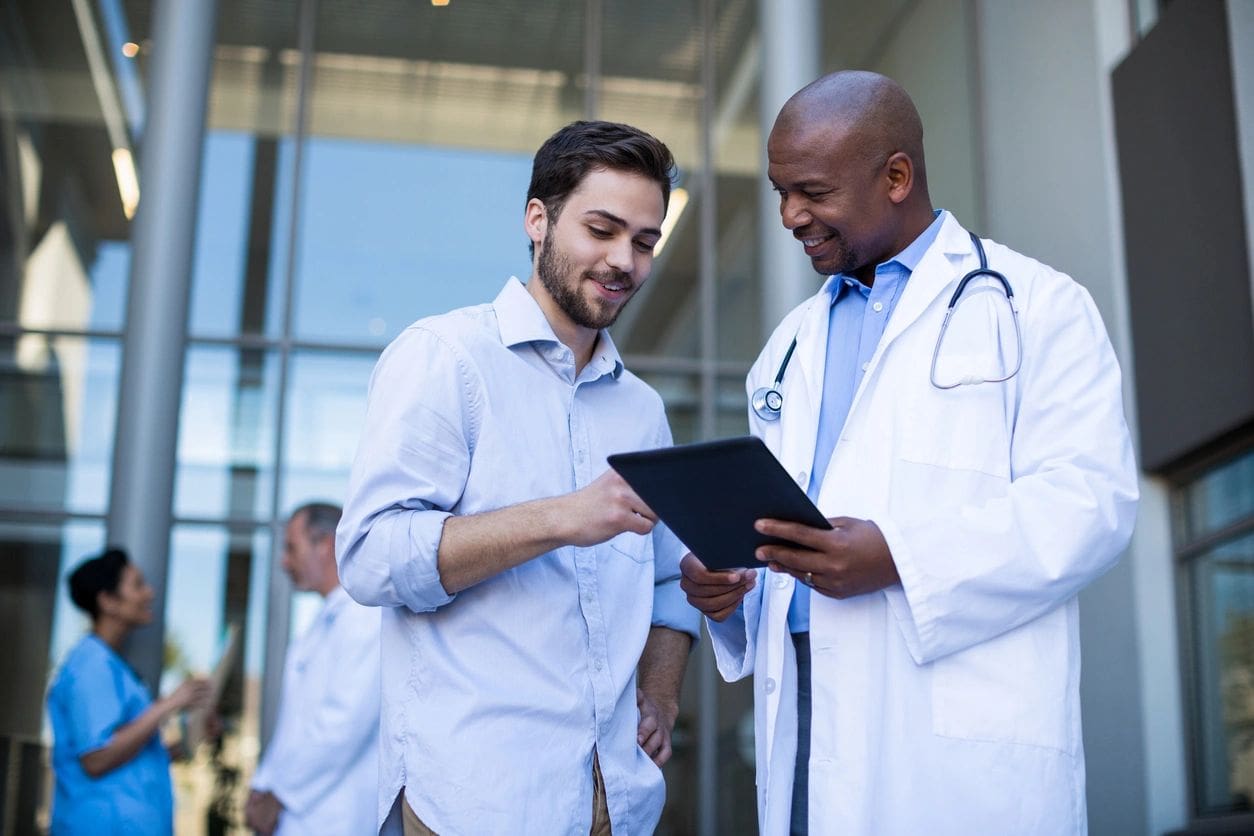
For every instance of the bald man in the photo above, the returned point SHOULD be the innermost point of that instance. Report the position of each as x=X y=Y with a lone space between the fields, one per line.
x=916 y=667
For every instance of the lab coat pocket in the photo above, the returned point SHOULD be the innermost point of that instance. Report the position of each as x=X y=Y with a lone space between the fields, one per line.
x=1010 y=689
x=639 y=547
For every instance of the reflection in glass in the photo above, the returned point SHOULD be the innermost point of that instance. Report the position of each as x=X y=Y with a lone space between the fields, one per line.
x=64 y=246
x=217 y=577
x=226 y=434
x=326 y=406
x=237 y=283
x=59 y=398
x=392 y=233
x=1221 y=497
x=1224 y=588
x=35 y=608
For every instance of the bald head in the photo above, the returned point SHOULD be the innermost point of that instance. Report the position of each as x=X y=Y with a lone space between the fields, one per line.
x=874 y=112
x=846 y=156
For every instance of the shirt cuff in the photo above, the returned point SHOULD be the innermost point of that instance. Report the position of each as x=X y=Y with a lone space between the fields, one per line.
x=734 y=638
x=414 y=545
x=671 y=609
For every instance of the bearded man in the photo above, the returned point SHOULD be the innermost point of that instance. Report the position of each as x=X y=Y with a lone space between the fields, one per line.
x=534 y=632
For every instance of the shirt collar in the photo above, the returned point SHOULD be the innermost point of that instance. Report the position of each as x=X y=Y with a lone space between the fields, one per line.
x=908 y=258
x=520 y=320
x=913 y=254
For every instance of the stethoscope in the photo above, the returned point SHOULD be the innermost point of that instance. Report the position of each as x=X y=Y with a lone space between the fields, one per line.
x=768 y=401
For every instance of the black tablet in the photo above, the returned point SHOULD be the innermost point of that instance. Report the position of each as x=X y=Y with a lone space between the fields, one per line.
x=711 y=493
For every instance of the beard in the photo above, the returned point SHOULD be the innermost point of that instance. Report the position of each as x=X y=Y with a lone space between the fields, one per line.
x=557 y=276
x=844 y=260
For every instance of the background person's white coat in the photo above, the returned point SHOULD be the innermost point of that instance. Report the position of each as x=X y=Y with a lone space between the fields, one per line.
x=323 y=760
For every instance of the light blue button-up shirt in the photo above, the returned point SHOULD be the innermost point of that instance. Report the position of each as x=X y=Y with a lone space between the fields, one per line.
x=854 y=327
x=495 y=698
x=94 y=695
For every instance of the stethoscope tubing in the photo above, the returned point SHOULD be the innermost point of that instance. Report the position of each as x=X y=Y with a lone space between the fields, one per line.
x=768 y=401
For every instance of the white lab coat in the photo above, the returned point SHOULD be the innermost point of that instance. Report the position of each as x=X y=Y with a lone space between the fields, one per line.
x=323 y=759
x=948 y=704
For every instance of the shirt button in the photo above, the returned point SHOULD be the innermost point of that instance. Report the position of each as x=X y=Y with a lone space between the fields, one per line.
x=781 y=582
x=878 y=306
x=770 y=686
x=597 y=664
x=866 y=366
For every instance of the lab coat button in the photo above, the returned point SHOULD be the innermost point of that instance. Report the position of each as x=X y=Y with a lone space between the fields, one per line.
x=866 y=366
x=770 y=686
x=801 y=478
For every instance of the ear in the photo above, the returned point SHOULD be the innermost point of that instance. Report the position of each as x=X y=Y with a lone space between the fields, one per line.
x=536 y=221
x=106 y=603
x=899 y=172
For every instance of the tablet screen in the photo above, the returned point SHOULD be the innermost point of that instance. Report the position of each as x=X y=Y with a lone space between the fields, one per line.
x=711 y=493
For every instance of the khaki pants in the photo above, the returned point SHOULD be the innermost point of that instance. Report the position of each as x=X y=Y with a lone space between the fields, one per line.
x=413 y=825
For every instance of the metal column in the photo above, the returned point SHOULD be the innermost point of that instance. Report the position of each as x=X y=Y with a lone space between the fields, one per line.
x=142 y=488
x=790 y=60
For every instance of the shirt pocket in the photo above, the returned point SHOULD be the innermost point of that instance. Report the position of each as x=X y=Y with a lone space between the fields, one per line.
x=638 y=547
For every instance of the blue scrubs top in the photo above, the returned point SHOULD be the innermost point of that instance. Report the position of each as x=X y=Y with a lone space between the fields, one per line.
x=94 y=694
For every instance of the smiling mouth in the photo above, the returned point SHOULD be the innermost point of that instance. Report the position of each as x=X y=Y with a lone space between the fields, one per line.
x=613 y=286
x=813 y=242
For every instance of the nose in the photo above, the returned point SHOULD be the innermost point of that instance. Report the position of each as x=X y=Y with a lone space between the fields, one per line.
x=620 y=255
x=793 y=211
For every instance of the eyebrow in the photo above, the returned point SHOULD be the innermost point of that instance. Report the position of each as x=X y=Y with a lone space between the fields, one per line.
x=617 y=221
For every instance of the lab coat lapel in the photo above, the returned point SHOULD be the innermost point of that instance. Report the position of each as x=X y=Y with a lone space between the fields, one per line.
x=800 y=415
x=937 y=270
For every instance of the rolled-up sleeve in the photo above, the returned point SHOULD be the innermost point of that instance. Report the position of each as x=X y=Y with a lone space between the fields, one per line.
x=670 y=605
x=410 y=471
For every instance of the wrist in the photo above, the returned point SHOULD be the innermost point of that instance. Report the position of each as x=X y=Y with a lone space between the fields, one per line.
x=559 y=520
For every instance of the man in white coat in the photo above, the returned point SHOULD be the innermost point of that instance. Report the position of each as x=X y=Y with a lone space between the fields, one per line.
x=319 y=774
x=916 y=668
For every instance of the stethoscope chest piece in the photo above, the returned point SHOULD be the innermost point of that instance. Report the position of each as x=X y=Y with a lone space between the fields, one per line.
x=767 y=403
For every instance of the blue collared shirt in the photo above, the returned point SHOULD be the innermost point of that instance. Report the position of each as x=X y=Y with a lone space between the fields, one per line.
x=95 y=694
x=495 y=698
x=854 y=327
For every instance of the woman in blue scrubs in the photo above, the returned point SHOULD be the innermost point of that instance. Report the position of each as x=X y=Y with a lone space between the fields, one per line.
x=112 y=770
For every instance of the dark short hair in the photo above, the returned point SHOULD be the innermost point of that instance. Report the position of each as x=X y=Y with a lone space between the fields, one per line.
x=321 y=518
x=565 y=159
x=99 y=574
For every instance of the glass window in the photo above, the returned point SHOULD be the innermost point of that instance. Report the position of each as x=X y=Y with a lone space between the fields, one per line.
x=326 y=406
x=390 y=233
x=226 y=434
x=217 y=578
x=67 y=158
x=35 y=607
x=733 y=407
x=1220 y=498
x=241 y=235
x=59 y=398
x=1221 y=581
